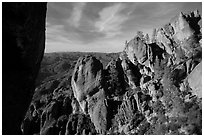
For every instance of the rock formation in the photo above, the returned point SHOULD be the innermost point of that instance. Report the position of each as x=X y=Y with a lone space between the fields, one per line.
x=148 y=89
x=87 y=88
x=195 y=80
x=115 y=79
x=23 y=43
x=86 y=80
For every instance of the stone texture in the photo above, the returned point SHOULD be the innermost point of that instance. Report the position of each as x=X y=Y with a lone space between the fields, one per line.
x=87 y=84
x=49 y=118
x=180 y=35
x=86 y=79
x=132 y=72
x=137 y=49
x=195 y=80
x=97 y=109
x=79 y=124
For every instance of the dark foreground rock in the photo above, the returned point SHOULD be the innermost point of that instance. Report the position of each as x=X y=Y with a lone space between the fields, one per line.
x=23 y=43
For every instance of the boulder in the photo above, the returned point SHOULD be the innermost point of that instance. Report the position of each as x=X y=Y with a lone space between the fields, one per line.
x=195 y=80
x=97 y=109
x=86 y=79
x=184 y=25
x=87 y=86
x=136 y=49
x=164 y=41
x=132 y=72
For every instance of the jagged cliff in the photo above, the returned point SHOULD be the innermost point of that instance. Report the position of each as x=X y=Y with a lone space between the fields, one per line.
x=149 y=88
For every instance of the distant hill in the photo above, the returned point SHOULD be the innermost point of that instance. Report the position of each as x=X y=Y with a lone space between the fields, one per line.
x=55 y=64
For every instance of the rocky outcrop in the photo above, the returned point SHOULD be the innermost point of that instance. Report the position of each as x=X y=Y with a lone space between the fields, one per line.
x=137 y=49
x=132 y=72
x=49 y=118
x=86 y=80
x=115 y=78
x=79 y=124
x=127 y=109
x=195 y=80
x=170 y=59
x=50 y=108
x=54 y=94
x=152 y=88
x=23 y=43
x=97 y=109
x=87 y=88
x=180 y=38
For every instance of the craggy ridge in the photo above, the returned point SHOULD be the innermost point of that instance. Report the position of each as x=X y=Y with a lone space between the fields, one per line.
x=152 y=87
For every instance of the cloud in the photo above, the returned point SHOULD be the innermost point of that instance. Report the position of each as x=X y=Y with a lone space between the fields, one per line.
x=58 y=39
x=58 y=12
x=56 y=33
x=147 y=16
x=76 y=14
x=104 y=27
x=111 y=20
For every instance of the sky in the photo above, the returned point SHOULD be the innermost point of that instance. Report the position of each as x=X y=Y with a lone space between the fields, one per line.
x=105 y=26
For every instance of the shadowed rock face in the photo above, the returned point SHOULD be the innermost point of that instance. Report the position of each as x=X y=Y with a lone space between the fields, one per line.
x=115 y=78
x=23 y=43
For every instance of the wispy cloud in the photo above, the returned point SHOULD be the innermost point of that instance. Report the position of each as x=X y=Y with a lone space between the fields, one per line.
x=76 y=14
x=104 y=27
x=56 y=38
x=56 y=33
x=111 y=19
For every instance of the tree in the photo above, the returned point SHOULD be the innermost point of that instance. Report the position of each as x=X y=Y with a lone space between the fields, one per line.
x=147 y=39
x=154 y=36
x=115 y=79
x=126 y=42
x=140 y=35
